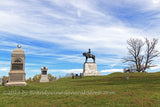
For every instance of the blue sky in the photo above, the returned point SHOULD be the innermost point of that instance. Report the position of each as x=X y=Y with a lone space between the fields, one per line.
x=55 y=33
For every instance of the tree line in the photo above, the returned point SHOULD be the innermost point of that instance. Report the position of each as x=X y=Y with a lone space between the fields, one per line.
x=37 y=78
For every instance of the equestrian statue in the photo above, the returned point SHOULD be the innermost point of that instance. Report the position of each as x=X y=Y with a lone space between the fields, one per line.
x=89 y=55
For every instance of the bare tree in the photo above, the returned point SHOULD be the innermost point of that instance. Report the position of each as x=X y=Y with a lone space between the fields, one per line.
x=140 y=58
x=151 y=53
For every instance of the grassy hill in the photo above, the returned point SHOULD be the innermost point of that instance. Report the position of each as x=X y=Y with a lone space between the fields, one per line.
x=142 y=89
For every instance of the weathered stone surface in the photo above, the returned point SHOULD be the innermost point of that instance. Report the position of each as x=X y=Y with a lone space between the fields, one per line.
x=90 y=69
x=15 y=77
x=17 y=73
x=16 y=84
x=44 y=76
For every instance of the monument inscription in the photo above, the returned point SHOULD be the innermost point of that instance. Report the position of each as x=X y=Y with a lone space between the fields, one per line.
x=17 y=66
x=16 y=77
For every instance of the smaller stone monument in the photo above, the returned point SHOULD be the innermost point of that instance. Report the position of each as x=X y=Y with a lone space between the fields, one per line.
x=90 y=68
x=44 y=76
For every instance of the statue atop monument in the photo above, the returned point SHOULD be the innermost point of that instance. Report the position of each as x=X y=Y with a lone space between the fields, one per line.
x=89 y=55
x=44 y=77
x=19 y=46
x=89 y=51
x=90 y=69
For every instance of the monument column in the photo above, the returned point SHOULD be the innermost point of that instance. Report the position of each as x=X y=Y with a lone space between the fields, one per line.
x=17 y=69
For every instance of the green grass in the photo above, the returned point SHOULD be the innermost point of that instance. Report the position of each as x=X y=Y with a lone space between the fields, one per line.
x=141 y=90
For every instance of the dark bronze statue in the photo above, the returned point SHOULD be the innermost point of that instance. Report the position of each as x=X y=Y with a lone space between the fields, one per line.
x=89 y=55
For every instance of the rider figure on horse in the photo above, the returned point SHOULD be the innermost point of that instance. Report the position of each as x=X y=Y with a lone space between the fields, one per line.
x=89 y=55
x=89 y=51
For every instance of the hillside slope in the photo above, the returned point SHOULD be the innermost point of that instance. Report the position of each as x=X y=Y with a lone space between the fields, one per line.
x=142 y=89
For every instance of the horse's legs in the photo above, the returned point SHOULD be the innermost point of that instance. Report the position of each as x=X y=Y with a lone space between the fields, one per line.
x=94 y=59
x=86 y=59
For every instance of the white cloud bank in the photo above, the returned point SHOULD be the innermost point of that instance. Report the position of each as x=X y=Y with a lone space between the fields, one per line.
x=112 y=70
x=67 y=70
x=59 y=71
x=95 y=29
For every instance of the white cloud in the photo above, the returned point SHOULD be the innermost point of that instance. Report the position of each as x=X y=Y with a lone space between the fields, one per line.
x=111 y=37
x=156 y=67
x=2 y=63
x=156 y=1
x=145 y=5
x=5 y=69
x=67 y=70
x=71 y=58
x=61 y=71
x=9 y=50
x=112 y=70
x=84 y=5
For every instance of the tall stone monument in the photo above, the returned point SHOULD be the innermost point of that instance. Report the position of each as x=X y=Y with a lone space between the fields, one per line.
x=17 y=70
x=90 y=68
x=44 y=76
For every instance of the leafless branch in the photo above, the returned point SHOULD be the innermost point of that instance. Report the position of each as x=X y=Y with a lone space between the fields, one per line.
x=142 y=62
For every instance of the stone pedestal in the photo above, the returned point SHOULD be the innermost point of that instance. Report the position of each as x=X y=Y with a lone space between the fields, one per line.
x=90 y=69
x=44 y=76
x=16 y=84
x=17 y=73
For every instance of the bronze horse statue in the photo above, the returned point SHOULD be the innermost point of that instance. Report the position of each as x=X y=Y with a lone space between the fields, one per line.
x=89 y=55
